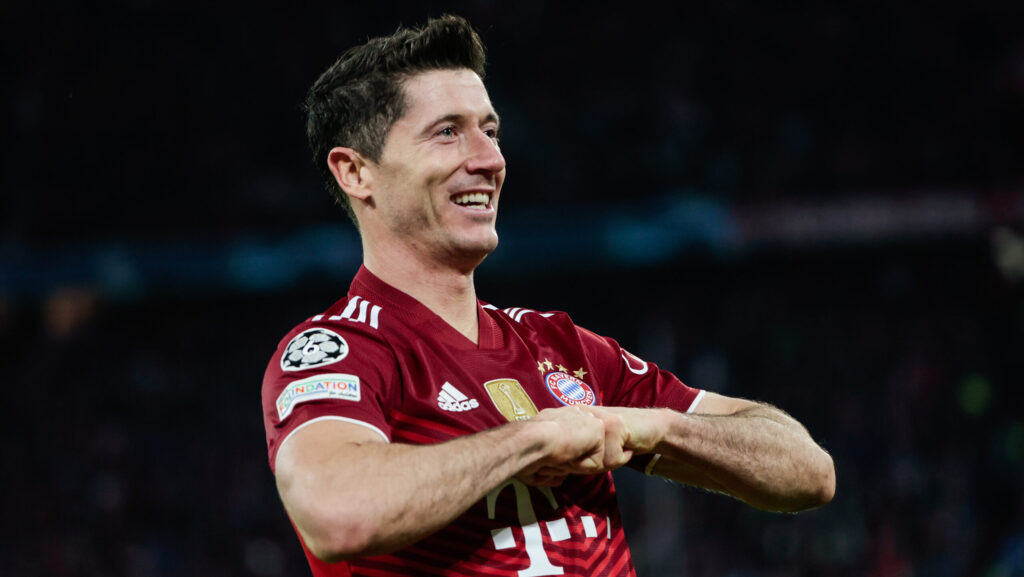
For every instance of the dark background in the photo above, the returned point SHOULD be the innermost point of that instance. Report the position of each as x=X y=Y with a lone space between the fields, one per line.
x=820 y=207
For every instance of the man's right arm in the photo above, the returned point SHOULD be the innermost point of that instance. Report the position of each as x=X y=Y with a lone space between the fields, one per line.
x=350 y=494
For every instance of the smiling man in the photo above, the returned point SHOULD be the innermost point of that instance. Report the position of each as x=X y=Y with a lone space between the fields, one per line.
x=416 y=430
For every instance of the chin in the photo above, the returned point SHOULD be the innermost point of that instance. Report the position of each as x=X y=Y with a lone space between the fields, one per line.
x=476 y=249
x=483 y=248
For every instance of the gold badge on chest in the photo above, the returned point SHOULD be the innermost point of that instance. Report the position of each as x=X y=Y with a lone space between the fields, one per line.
x=511 y=399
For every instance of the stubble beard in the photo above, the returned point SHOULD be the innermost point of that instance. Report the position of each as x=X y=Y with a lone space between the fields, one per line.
x=442 y=245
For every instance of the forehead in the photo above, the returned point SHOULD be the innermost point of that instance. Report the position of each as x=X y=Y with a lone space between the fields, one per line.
x=437 y=93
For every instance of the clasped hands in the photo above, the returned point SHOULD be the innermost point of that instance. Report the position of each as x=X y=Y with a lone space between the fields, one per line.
x=585 y=439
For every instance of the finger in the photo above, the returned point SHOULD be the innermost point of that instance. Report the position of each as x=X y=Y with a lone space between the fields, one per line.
x=616 y=454
x=589 y=464
x=614 y=457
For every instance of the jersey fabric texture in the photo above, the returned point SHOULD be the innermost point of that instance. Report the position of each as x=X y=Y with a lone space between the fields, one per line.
x=380 y=359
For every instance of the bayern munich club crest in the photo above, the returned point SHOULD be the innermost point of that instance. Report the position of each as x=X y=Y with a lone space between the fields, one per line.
x=568 y=389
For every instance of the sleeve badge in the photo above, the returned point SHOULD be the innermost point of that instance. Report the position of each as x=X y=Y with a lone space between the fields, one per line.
x=313 y=348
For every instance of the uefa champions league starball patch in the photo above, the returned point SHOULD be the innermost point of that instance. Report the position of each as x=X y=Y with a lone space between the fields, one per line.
x=568 y=389
x=313 y=348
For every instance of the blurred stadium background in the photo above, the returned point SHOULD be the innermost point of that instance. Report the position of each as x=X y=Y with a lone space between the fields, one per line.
x=821 y=207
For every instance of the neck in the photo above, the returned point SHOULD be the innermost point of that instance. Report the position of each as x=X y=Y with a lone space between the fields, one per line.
x=448 y=291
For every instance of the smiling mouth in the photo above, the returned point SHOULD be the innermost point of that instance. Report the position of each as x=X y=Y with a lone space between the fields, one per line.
x=474 y=200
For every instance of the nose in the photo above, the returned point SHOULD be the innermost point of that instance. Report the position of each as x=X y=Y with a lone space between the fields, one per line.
x=485 y=156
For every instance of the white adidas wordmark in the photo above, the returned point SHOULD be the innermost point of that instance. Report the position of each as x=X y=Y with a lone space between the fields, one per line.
x=452 y=399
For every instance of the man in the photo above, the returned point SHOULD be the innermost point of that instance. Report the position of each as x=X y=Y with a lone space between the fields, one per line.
x=413 y=429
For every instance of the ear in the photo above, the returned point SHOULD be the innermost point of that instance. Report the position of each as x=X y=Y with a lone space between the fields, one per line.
x=347 y=167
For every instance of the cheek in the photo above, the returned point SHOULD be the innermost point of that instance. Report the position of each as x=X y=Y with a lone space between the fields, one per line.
x=417 y=191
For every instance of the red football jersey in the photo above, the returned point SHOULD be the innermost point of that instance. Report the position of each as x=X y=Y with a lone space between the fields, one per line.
x=380 y=359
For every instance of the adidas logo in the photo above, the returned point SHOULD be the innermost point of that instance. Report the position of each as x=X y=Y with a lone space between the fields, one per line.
x=452 y=399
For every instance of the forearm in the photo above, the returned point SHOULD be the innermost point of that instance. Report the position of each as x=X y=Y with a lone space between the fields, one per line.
x=349 y=494
x=373 y=498
x=760 y=455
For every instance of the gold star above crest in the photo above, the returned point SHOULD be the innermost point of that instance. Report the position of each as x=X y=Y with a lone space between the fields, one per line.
x=540 y=366
x=562 y=368
x=548 y=364
x=579 y=374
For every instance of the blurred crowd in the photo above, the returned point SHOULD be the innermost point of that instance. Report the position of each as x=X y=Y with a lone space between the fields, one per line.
x=135 y=434
x=159 y=118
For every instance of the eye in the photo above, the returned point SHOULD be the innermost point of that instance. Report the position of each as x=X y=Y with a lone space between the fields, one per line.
x=492 y=133
x=447 y=132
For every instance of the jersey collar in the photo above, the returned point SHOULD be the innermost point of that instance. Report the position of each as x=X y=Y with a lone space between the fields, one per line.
x=414 y=313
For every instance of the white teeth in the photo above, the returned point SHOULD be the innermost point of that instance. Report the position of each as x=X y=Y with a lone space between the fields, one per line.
x=472 y=198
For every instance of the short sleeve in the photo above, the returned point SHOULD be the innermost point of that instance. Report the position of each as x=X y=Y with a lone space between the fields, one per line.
x=326 y=371
x=628 y=381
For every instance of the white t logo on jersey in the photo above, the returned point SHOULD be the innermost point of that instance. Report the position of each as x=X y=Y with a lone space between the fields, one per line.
x=503 y=538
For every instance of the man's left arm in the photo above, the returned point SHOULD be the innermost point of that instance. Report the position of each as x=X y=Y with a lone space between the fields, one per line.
x=751 y=451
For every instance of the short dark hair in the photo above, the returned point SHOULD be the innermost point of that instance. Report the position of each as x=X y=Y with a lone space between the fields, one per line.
x=357 y=100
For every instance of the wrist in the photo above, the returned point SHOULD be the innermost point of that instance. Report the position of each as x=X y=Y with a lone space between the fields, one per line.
x=670 y=426
x=660 y=420
x=531 y=440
